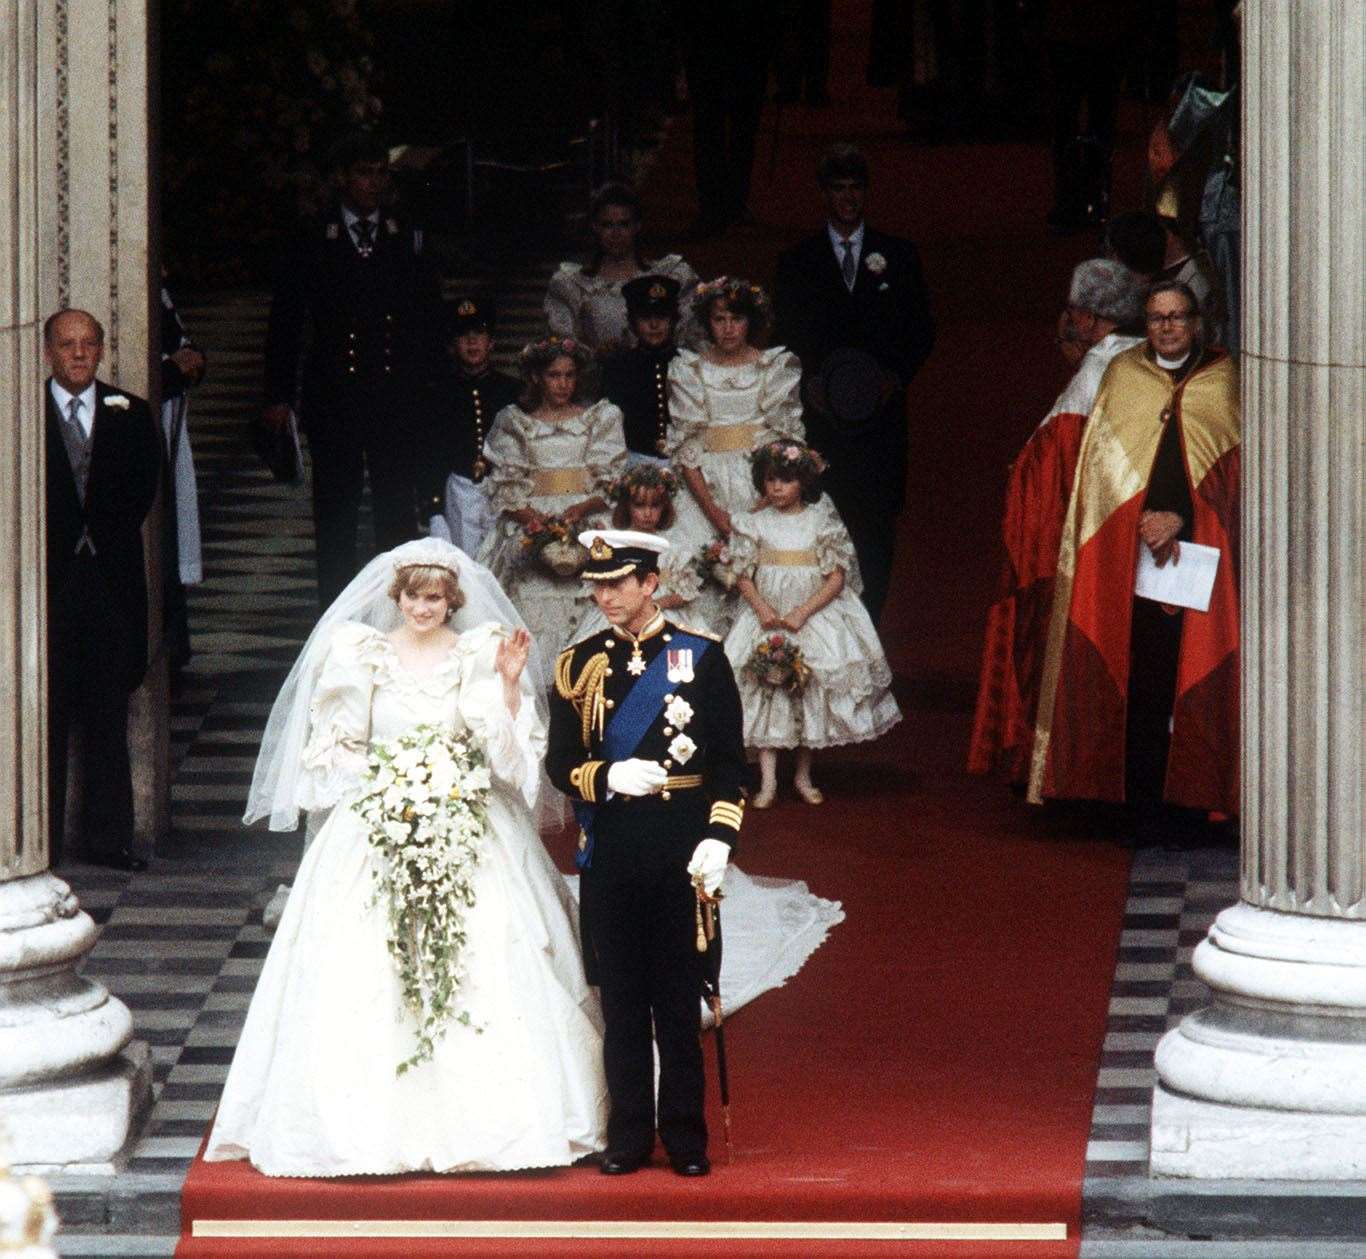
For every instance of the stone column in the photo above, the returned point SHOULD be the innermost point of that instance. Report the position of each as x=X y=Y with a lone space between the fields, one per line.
x=1270 y=1081
x=71 y=1084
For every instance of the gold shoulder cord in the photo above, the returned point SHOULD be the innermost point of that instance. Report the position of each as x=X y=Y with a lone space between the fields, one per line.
x=585 y=692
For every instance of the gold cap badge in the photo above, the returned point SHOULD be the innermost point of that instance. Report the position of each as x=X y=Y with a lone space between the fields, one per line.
x=658 y=292
x=466 y=308
x=600 y=550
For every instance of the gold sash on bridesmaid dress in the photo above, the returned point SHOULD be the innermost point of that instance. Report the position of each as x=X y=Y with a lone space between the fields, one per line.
x=787 y=559
x=721 y=438
x=548 y=482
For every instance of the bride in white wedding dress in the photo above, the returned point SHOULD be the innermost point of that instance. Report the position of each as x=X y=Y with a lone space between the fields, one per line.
x=314 y=1088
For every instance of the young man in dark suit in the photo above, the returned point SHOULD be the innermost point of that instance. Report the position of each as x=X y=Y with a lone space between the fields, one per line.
x=103 y=468
x=851 y=287
x=357 y=281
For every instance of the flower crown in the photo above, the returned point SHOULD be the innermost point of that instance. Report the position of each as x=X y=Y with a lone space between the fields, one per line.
x=729 y=288
x=645 y=476
x=789 y=457
x=552 y=347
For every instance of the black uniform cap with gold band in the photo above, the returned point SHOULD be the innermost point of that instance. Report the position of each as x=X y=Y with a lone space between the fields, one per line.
x=651 y=295
x=471 y=312
x=614 y=553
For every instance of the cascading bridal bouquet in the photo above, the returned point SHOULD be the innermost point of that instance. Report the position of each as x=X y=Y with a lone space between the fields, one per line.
x=424 y=801
x=777 y=663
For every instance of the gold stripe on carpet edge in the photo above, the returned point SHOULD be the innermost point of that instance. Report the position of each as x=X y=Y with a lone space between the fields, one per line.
x=719 y=1230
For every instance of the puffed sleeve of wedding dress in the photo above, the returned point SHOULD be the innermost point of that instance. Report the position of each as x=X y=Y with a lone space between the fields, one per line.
x=334 y=755
x=606 y=454
x=514 y=746
x=744 y=544
x=687 y=411
x=834 y=546
x=780 y=395
x=508 y=450
x=563 y=298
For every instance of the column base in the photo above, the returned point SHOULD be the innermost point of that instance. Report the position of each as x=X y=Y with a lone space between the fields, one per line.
x=1210 y=1140
x=1269 y=1082
x=80 y=1125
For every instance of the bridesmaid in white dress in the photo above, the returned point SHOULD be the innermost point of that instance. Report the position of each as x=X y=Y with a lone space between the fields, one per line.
x=584 y=300
x=314 y=1088
x=644 y=498
x=799 y=579
x=725 y=401
x=554 y=455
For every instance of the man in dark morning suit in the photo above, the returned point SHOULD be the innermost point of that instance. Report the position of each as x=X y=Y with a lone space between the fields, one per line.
x=464 y=398
x=852 y=287
x=646 y=740
x=358 y=282
x=637 y=378
x=103 y=469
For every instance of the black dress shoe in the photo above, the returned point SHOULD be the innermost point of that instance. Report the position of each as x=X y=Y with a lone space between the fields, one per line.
x=119 y=859
x=622 y=1163
x=693 y=1165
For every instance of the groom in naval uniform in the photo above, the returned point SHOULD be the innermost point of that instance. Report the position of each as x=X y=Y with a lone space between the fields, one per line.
x=646 y=740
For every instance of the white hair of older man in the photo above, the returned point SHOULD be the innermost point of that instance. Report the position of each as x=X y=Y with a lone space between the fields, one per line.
x=1108 y=289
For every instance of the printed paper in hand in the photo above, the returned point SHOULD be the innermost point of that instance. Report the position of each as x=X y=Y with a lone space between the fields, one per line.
x=1187 y=583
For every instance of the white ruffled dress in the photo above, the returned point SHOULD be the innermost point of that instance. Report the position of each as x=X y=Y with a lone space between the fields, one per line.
x=592 y=309
x=717 y=417
x=533 y=462
x=313 y=1089
x=788 y=556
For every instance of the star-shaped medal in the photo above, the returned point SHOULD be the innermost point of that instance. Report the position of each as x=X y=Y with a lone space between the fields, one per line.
x=635 y=666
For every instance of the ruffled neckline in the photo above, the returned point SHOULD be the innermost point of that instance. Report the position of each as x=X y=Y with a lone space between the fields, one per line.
x=381 y=654
x=595 y=284
x=731 y=375
x=580 y=422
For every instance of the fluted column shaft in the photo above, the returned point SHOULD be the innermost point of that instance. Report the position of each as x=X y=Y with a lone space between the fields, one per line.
x=1304 y=432
x=1270 y=1080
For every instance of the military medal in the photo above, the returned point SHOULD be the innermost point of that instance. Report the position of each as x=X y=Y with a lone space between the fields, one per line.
x=635 y=666
x=680 y=664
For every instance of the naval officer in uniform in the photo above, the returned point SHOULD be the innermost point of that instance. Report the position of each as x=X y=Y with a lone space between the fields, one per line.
x=637 y=378
x=645 y=739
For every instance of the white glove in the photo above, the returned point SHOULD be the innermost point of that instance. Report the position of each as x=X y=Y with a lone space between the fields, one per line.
x=636 y=777
x=438 y=528
x=709 y=859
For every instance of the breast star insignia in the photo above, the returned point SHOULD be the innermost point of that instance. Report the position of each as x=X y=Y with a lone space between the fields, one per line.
x=635 y=666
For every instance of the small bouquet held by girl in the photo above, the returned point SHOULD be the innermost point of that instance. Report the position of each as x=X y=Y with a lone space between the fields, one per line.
x=551 y=542
x=811 y=671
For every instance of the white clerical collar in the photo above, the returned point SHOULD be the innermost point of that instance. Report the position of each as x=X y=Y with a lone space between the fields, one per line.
x=1172 y=364
x=855 y=238
x=62 y=398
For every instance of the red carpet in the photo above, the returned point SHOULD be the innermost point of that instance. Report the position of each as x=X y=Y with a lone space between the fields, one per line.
x=935 y=1061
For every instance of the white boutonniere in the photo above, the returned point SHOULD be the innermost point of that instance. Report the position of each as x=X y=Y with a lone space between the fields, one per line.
x=875 y=263
x=679 y=712
x=682 y=748
x=391 y=227
x=117 y=401
x=333 y=231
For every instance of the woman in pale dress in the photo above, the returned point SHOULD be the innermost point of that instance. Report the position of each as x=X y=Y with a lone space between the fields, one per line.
x=800 y=582
x=584 y=300
x=725 y=401
x=314 y=1088
x=554 y=457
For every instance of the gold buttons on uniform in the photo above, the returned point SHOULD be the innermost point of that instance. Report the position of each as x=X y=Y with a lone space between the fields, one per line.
x=668 y=764
x=611 y=703
x=607 y=673
x=668 y=732
x=665 y=795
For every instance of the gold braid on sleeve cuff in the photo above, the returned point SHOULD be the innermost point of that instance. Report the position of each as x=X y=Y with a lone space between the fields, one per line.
x=584 y=692
x=584 y=779
x=727 y=813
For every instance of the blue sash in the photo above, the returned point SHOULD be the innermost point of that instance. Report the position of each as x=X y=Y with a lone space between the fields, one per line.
x=633 y=717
